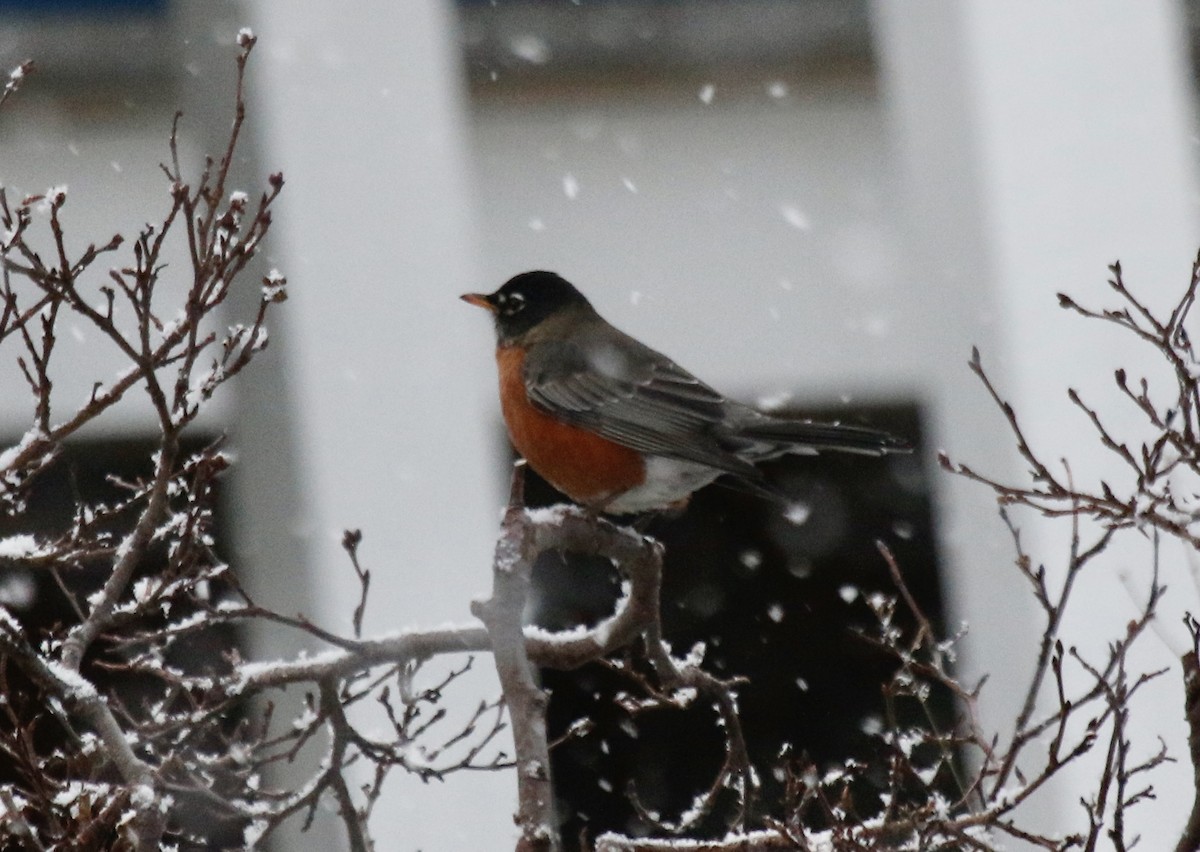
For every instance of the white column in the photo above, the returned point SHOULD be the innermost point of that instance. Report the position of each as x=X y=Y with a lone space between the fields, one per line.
x=393 y=375
x=1040 y=142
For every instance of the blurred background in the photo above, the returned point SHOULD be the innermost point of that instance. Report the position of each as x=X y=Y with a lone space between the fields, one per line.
x=819 y=206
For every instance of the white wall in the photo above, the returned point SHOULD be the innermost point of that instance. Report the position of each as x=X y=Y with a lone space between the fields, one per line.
x=752 y=238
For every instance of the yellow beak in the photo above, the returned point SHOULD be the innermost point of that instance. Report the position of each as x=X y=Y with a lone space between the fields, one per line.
x=478 y=300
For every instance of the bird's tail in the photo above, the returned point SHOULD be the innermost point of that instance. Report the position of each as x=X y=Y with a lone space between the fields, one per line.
x=780 y=436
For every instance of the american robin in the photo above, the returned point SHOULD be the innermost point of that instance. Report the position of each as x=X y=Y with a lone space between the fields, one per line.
x=619 y=427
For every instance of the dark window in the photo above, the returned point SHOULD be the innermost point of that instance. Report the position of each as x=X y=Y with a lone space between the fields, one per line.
x=86 y=473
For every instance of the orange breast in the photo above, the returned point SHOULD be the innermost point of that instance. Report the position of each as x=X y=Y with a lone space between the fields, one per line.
x=586 y=467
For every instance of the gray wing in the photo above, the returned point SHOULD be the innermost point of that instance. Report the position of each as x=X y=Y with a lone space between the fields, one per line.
x=634 y=396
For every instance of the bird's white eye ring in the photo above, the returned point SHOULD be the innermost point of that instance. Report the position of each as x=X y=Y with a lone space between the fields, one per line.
x=513 y=303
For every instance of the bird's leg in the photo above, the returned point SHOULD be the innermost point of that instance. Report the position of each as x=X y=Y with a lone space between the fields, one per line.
x=516 y=487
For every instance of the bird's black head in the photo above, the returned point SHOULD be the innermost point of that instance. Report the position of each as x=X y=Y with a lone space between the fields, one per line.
x=526 y=300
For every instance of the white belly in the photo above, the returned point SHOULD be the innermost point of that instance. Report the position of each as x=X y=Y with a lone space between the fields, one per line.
x=667 y=481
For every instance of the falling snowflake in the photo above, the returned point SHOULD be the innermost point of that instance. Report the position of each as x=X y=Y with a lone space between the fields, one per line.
x=797 y=513
x=751 y=558
x=795 y=217
x=531 y=48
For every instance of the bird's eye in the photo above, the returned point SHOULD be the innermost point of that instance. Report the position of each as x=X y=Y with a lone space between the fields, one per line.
x=513 y=303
